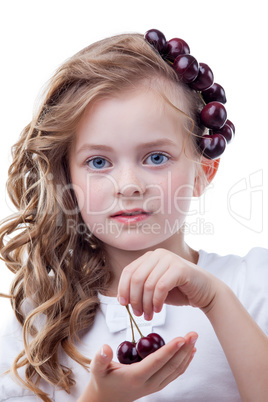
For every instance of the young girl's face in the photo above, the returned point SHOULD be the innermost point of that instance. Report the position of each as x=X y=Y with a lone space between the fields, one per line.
x=132 y=170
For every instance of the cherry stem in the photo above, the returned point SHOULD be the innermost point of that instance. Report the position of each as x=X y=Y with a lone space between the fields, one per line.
x=201 y=98
x=132 y=320
x=132 y=330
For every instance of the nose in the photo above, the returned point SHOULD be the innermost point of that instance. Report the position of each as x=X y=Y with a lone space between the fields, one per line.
x=130 y=182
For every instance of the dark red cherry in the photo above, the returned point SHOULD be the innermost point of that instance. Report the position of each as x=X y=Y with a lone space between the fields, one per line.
x=157 y=39
x=212 y=146
x=204 y=79
x=127 y=353
x=227 y=132
x=213 y=115
x=149 y=344
x=230 y=124
x=175 y=47
x=214 y=93
x=156 y=338
x=186 y=67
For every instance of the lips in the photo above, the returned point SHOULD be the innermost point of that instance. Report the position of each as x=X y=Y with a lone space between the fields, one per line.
x=132 y=212
x=130 y=216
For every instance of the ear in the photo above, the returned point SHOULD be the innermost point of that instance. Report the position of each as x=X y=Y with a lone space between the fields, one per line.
x=205 y=174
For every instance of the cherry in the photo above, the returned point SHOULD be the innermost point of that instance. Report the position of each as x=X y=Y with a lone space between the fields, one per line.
x=130 y=352
x=149 y=344
x=212 y=146
x=175 y=47
x=157 y=338
x=157 y=40
x=200 y=78
x=213 y=115
x=186 y=67
x=127 y=353
x=205 y=78
x=227 y=132
x=230 y=124
x=214 y=93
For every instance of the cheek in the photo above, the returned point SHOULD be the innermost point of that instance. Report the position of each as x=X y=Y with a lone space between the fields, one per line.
x=95 y=194
x=178 y=193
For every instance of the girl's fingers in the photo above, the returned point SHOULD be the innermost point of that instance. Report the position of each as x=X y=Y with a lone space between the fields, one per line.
x=130 y=288
x=158 y=362
x=101 y=361
x=178 y=363
x=154 y=362
x=149 y=289
x=125 y=279
x=136 y=289
x=179 y=369
x=124 y=283
x=169 y=280
x=138 y=281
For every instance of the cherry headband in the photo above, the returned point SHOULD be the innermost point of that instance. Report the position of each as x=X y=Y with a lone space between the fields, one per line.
x=199 y=77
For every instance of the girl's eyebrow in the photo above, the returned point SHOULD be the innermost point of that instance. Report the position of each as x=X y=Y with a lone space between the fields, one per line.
x=158 y=143
x=92 y=147
x=151 y=144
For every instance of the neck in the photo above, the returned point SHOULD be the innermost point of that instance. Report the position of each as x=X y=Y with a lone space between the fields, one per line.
x=118 y=259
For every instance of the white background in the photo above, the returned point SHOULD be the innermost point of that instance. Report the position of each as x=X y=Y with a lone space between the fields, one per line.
x=230 y=36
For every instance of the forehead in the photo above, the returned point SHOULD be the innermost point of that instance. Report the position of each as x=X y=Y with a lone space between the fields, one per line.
x=138 y=114
x=145 y=103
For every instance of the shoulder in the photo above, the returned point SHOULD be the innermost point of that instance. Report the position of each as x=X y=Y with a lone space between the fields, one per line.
x=257 y=258
x=244 y=274
x=255 y=261
x=247 y=276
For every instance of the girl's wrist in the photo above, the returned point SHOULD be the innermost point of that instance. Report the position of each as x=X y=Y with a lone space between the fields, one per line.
x=221 y=292
x=224 y=299
x=89 y=395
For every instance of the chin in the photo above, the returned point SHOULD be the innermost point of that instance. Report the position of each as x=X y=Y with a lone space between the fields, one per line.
x=134 y=243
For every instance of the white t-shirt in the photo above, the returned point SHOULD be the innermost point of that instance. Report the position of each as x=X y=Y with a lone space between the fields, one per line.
x=207 y=379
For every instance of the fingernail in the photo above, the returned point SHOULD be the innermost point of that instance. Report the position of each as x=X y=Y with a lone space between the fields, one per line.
x=147 y=317
x=122 y=301
x=136 y=312
x=193 y=339
x=180 y=344
x=103 y=354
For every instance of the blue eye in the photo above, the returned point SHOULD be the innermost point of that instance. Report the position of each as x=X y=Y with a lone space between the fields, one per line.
x=98 y=163
x=156 y=159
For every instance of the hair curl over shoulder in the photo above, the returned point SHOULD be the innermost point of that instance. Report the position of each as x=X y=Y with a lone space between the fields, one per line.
x=58 y=269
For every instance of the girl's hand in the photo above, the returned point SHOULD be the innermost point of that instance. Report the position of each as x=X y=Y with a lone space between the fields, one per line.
x=113 y=382
x=159 y=277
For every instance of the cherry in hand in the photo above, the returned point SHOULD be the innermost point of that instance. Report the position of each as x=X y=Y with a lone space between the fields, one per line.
x=130 y=352
x=127 y=353
x=149 y=344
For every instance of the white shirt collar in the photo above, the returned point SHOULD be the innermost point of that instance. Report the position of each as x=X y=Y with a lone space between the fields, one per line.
x=117 y=318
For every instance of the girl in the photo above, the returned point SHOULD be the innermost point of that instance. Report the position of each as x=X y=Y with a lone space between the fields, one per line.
x=102 y=179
